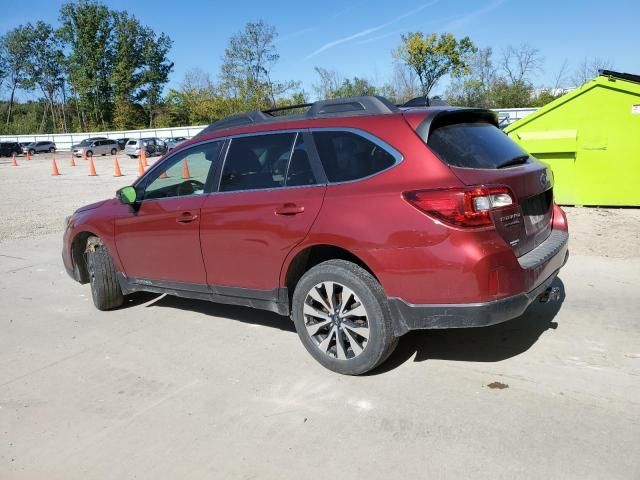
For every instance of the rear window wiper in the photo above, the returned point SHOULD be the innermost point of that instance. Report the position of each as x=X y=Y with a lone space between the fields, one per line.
x=514 y=161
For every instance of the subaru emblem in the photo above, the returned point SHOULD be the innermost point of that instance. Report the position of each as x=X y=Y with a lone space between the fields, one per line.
x=543 y=178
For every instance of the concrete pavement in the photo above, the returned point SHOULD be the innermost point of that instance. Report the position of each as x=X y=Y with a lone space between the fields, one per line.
x=174 y=388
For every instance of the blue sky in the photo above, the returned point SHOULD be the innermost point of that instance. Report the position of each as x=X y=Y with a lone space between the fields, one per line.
x=356 y=38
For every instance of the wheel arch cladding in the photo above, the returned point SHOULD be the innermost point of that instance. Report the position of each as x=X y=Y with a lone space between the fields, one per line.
x=313 y=255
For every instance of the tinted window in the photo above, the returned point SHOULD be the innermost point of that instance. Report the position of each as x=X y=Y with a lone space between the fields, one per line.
x=348 y=156
x=258 y=161
x=132 y=142
x=299 y=172
x=170 y=181
x=473 y=145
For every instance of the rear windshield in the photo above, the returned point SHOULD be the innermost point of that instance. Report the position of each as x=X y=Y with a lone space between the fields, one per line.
x=473 y=145
x=132 y=142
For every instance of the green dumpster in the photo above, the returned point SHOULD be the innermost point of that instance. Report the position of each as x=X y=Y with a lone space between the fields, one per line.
x=590 y=138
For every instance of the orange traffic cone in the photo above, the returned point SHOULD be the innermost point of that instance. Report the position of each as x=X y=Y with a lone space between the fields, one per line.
x=116 y=167
x=84 y=154
x=72 y=161
x=92 y=168
x=14 y=162
x=185 y=169
x=54 y=168
x=27 y=156
x=145 y=163
x=140 y=167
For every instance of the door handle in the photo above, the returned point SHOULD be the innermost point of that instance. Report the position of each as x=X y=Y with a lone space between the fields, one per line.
x=186 y=217
x=289 y=209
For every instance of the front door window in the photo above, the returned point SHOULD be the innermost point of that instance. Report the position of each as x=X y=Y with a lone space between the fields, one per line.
x=184 y=174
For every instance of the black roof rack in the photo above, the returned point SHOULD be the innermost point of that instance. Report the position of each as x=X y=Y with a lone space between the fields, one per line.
x=338 y=107
x=624 y=76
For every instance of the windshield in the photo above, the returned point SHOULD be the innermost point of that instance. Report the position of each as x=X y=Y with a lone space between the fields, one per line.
x=85 y=142
x=474 y=145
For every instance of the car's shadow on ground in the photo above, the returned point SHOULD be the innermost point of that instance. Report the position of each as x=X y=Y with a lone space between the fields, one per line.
x=230 y=312
x=485 y=344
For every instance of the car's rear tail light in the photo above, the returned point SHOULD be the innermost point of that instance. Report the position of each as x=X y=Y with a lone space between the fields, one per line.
x=462 y=207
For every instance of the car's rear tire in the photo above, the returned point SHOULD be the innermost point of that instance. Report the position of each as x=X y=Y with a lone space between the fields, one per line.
x=32 y=151
x=105 y=289
x=51 y=150
x=114 y=151
x=89 y=153
x=342 y=317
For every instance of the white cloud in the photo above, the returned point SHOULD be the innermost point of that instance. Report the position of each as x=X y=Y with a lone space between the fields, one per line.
x=368 y=31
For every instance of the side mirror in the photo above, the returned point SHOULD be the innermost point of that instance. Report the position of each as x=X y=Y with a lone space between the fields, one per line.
x=127 y=195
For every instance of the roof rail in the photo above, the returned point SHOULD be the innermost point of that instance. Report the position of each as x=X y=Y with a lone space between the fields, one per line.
x=288 y=107
x=338 y=107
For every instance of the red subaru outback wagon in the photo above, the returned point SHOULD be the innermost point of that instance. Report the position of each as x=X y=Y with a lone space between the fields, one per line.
x=359 y=219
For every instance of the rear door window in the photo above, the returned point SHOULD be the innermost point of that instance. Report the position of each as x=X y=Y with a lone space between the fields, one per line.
x=474 y=145
x=300 y=172
x=257 y=162
x=350 y=156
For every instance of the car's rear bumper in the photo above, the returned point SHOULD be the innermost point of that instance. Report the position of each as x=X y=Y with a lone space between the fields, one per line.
x=543 y=262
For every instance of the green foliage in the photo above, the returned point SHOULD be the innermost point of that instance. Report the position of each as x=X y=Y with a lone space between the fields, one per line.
x=433 y=57
x=14 y=50
x=246 y=69
x=86 y=27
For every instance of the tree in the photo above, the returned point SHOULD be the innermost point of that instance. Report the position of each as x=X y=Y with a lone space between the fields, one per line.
x=521 y=63
x=331 y=86
x=475 y=88
x=589 y=69
x=14 y=50
x=433 y=57
x=328 y=82
x=44 y=69
x=156 y=70
x=87 y=28
x=247 y=63
x=128 y=61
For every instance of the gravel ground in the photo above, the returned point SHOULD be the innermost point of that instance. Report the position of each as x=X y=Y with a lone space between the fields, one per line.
x=609 y=232
x=35 y=203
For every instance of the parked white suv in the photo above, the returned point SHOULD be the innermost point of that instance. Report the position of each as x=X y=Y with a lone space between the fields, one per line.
x=96 y=147
x=151 y=145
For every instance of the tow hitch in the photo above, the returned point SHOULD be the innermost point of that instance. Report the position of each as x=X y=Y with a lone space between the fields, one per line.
x=551 y=294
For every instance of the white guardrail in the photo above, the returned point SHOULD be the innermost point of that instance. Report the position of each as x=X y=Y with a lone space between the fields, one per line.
x=64 y=141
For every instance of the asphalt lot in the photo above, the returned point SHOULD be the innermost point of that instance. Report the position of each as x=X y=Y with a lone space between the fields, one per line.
x=175 y=388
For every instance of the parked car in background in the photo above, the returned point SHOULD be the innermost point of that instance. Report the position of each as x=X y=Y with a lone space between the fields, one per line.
x=41 y=147
x=24 y=145
x=122 y=142
x=151 y=145
x=8 y=149
x=174 y=142
x=87 y=141
x=96 y=147
x=359 y=219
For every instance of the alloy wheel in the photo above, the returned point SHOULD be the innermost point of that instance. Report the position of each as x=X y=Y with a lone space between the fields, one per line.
x=336 y=320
